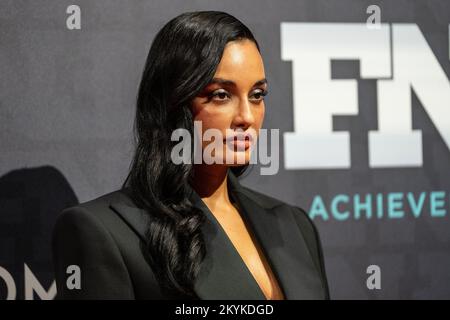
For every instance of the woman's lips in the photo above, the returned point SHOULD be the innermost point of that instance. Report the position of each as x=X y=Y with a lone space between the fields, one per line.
x=239 y=141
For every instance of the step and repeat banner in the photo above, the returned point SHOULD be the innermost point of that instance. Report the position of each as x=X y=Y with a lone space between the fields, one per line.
x=359 y=91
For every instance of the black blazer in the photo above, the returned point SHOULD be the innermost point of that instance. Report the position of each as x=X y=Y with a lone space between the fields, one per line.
x=104 y=237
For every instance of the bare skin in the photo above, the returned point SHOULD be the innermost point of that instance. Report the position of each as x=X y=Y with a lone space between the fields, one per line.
x=237 y=105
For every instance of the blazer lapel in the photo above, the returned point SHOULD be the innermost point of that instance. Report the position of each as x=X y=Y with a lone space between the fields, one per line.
x=223 y=274
x=282 y=242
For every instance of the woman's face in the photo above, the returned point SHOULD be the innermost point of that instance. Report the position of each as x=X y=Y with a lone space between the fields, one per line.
x=233 y=102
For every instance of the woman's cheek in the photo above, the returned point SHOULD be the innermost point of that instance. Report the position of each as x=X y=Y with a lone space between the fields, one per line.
x=261 y=117
x=217 y=119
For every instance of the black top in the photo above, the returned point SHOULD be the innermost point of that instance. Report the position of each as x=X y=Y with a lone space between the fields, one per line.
x=104 y=237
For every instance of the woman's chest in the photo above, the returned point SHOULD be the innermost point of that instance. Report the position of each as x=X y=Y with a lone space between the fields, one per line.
x=246 y=244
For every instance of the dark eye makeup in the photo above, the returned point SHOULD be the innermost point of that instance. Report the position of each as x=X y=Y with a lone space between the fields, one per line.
x=221 y=94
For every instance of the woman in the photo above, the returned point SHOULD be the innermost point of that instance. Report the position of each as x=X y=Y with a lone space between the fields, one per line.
x=183 y=230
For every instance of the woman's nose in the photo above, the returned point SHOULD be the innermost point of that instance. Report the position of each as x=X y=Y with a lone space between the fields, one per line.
x=244 y=115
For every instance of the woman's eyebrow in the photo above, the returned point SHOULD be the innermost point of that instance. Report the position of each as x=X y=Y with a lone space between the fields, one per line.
x=231 y=83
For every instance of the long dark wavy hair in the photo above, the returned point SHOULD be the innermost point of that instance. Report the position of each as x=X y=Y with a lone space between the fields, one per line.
x=182 y=60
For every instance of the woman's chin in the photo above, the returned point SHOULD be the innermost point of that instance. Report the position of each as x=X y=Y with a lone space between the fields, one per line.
x=239 y=159
x=238 y=164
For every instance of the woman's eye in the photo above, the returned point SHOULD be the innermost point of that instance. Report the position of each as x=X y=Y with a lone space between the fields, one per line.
x=219 y=95
x=259 y=95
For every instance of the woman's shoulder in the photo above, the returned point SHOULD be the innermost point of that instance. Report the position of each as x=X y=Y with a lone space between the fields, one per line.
x=304 y=222
x=103 y=201
x=97 y=210
x=270 y=202
x=86 y=236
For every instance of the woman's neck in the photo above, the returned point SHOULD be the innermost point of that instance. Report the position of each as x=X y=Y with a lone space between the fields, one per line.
x=211 y=184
